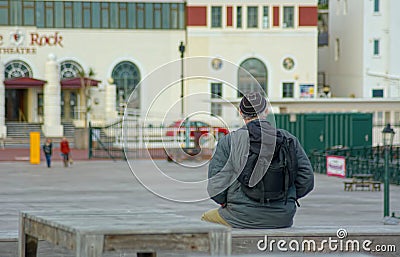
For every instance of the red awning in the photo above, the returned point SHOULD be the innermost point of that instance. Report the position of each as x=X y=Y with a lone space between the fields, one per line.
x=76 y=83
x=23 y=83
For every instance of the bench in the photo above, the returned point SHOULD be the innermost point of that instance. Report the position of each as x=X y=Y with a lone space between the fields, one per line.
x=247 y=242
x=376 y=185
x=348 y=185
x=90 y=233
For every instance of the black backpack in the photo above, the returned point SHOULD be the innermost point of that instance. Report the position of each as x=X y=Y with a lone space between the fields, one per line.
x=279 y=177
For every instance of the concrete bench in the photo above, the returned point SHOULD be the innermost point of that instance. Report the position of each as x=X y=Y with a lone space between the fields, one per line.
x=250 y=241
x=90 y=233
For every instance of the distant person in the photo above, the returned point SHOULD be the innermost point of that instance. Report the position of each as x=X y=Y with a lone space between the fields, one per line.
x=257 y=172
x=65 y=151
x=48 y=151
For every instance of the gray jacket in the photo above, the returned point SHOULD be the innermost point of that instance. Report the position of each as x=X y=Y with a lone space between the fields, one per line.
x=224 y=188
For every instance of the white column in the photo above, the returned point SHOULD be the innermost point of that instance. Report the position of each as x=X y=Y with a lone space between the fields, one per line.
x=110 y=102
x=52 y=100
x=3 y=128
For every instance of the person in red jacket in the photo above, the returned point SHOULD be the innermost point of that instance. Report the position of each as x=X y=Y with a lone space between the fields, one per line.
x=65 y=151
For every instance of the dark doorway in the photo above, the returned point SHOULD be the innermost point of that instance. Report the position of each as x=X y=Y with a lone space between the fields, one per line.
x=16 y=105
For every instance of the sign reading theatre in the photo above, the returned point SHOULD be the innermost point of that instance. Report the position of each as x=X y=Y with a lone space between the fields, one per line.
x=18 y=40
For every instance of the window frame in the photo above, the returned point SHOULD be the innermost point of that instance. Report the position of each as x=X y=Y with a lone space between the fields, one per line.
x=376 y=8
x=256 y=9
x=216 y=24
x=239 y=22
x=287 y=7
x=376 y=47
x=291 y=90
x=268 y=17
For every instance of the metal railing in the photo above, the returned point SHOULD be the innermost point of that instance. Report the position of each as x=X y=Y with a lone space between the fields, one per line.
x=366 y=160
x=127 y=139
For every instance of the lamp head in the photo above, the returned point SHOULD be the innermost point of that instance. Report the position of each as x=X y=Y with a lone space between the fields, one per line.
x=388 y=134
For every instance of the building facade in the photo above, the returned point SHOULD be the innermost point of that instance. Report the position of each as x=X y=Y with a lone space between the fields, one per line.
x=80 y=61
x=363 y=45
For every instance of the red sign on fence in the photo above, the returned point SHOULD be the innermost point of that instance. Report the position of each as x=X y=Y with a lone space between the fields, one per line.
x=336 y=166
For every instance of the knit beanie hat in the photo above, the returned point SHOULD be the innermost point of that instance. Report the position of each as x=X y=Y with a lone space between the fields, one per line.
x=253 y=104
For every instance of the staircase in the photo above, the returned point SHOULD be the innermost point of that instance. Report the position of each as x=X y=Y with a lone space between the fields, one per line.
x=69 y=130
x=18 y=134
x=21 y=129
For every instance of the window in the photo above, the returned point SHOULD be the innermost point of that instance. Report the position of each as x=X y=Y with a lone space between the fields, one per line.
x=238 y=17
x=70 y=69
x=105 y=15
x=181 y=16
x=68 y=14
x=16 y=12
x=288 y=17
x=17 y=69
x=265 y=17
x=77 y=8
x=397 y=118
x=114 y=21
x=59 y=14
x=40 y=14
x=252 y=77
x=122 y=16
x=49 y=14
x=157 y=16
x=379 y=118
x=40 y=104
x=95 y=15
x=337 y=49
x=252 y=17
x=126 y=77
x=86 y=15
x=387 y=117
x=149 y=15
x=166 y=16
x=376 y=47
x=216 y=109
x=131 y=16
x=287 y=89
x=216 y=90
x=376 y=6
x=377 y=92
x=174 y=16
x=4 y=12
x=216 y=17
x=140 y=15
x=29 y=13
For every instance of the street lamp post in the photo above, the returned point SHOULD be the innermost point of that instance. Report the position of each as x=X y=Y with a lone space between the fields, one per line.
x=182 y=51
x=187 y=122
x=388 y=135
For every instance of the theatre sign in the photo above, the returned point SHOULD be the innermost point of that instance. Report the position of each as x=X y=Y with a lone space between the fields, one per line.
x=21 y=42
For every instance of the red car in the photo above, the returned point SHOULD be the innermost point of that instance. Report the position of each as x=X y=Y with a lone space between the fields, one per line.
x=179 y=128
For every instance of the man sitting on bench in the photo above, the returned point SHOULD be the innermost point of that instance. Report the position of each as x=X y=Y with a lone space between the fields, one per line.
x=259 y=191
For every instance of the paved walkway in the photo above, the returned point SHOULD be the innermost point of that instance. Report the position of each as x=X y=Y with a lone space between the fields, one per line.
x=111 y=185
x=22 y=154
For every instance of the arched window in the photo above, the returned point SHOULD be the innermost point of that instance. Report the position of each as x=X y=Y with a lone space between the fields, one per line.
x=246 y=83
x=17 y=69
x=70 y=69
x=126 y=77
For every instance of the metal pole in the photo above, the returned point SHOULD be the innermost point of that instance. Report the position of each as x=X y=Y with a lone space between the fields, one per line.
x=386 y=184
x=182 y=50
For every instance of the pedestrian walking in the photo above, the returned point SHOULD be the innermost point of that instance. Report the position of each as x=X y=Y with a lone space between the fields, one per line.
x=258 y=172
x=48 y=151
x=65 y=151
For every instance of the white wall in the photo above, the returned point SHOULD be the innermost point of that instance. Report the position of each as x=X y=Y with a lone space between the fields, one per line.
x=345 y=73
